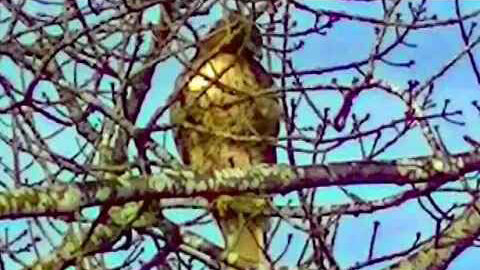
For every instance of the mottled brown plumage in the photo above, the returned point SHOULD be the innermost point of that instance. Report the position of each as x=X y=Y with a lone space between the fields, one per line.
x=227 y=115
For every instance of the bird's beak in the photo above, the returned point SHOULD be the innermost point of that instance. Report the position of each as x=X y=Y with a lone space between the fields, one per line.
x=259 y=54
x=256 y=51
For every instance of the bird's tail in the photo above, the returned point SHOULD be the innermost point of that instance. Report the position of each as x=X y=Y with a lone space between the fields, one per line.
x=243 y=225
x=244 y=241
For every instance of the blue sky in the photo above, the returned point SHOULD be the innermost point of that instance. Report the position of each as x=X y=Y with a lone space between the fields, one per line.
x=347 y=41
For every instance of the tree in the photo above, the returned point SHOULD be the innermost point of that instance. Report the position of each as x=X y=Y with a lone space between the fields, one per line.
x=377 y=157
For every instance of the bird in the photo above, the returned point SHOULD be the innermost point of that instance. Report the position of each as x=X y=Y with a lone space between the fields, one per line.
x=226 y=113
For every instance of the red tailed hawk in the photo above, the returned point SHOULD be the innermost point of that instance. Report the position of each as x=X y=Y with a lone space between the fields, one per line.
x=227 y=116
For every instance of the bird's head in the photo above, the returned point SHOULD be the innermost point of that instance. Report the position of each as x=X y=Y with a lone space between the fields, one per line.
x=235 y=33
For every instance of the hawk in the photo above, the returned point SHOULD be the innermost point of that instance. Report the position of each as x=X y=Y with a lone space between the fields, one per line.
x=227 y=115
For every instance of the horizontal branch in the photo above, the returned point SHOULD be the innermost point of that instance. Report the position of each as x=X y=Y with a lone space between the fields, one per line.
x=59 y=199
